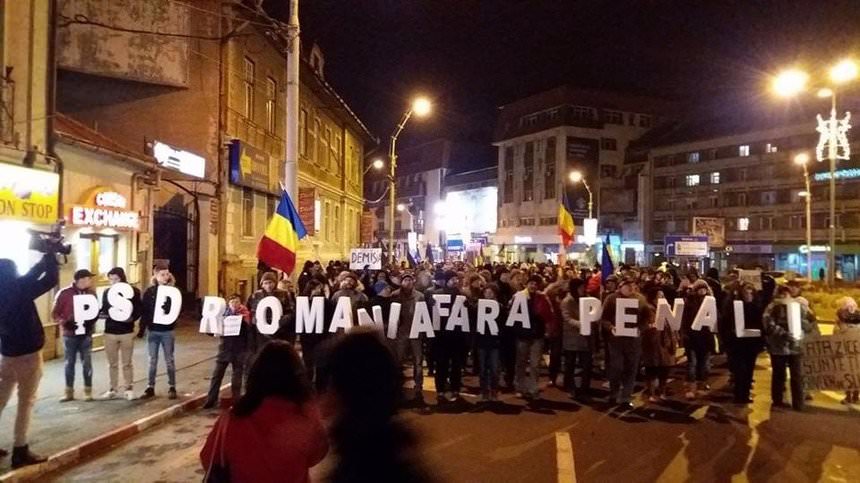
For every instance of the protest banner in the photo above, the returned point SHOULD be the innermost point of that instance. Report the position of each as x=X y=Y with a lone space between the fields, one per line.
x=832 y=362
x=750 y=276
x=361 y=257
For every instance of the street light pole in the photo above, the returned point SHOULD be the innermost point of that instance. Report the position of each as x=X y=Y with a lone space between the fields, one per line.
x=590 y=198
x=832 y=144
x=803 y=159
x=392 y=197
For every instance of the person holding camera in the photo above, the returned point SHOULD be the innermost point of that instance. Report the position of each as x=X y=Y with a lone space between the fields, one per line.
x=77 y=341
x=119 y=339
x=159 y=335
x=21 y=340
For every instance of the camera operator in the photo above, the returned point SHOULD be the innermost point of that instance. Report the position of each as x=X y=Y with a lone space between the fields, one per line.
x=21 y=340
x=76 y=344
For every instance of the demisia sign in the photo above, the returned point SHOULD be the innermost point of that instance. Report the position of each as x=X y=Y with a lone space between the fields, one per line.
x=310 y=318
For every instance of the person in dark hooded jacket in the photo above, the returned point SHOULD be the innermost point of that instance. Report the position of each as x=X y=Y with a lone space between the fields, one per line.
x=450 y=347
x=698 y=344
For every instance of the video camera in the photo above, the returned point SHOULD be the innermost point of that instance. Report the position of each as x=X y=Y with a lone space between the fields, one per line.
x=50 y=241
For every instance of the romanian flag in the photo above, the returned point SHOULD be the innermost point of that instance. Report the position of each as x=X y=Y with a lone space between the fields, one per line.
x=565 y=220
x=280 y=243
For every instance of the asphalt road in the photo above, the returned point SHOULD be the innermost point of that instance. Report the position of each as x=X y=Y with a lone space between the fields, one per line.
x=711 y=440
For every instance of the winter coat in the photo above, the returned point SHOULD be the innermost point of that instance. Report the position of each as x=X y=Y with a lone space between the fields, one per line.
x=698 y=340
x=540 y=314
x=21 y=330
x=572 y=339
x=233 y=346
x=64 y=311
x=280 y=441
x=645 y=314
x=286 y=325
x=658 y=346
x=407 y=310
x=775 y=322
x=847 y=321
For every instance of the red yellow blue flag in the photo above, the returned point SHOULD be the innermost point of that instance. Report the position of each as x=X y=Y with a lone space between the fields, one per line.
x=566 y=227
x=280 y=242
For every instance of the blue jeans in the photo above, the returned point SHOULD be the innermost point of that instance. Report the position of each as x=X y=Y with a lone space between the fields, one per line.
x=698 y=364
x=78 y=345
x=166 y=340
x=488 y=360
x=529 y=354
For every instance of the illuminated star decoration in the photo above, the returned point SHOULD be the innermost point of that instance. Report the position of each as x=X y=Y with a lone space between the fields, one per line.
x=837 y=130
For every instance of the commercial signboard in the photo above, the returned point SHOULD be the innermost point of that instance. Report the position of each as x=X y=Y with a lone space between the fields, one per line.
x=361 y=257
x=583 y=155
x=686 y=245
x=713 y=228
x=180 y=160
x=28 y=194
x=251 y=167
x=307 y=207
x=103 y=208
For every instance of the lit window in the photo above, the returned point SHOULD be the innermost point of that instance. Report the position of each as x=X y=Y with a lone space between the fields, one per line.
x=271 y=102
x=771 y=148
x=743 y=224
x=744 y=150
x=693 y=157
x=715 y=177
x=692 y=180
x=248 y=82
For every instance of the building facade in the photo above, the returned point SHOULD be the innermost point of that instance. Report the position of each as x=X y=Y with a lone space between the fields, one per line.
x=540 y=140
x=744 y=186
x=467 y=214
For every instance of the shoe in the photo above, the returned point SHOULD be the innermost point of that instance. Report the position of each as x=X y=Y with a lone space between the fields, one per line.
x=171 y=393
x=148 y=394
x=22 y=456
x=69 y=395
x=780 y=405
x=88 y=394
x=626 y=406
x=108 y=395
x=129 y=395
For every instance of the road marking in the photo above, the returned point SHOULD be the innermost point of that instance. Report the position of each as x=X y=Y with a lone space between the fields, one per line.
x=564 y=458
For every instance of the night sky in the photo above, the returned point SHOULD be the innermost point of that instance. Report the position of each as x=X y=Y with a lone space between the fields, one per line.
x=472 y=56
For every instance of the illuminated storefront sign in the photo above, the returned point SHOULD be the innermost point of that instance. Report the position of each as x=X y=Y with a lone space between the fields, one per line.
x=28 y=194
x=105 y=209
x=179 y=160
x=840 y=174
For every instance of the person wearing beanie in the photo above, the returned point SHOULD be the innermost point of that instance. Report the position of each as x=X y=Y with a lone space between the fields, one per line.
x=450 y=348
x=348 y=287
x=119 y=339
x=530 y=342
x=76 y=343
x=286 y=330
x=698 y=344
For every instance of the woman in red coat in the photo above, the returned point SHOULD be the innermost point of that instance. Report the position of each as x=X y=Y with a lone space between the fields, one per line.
x=274 y=432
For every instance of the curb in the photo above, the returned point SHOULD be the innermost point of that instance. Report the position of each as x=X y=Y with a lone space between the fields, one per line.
x=71 y=456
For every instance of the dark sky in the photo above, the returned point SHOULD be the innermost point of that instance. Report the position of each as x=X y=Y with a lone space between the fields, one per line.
x=472 y=56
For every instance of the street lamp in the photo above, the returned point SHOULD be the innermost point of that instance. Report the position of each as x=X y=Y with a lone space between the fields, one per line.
x=420 y=107
x=833 y=134
x=802 y=159
x=577 y=177
x=377 y=163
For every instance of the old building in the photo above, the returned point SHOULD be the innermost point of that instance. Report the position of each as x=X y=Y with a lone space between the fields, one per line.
x=200 y=87
x=736 y=177
x=541 y=139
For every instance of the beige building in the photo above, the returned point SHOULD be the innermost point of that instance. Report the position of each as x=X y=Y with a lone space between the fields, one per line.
x=541 y=139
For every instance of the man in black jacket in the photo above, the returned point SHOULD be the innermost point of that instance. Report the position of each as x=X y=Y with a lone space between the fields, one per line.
x=160 y=335
x=119 y=339
x=21 y=340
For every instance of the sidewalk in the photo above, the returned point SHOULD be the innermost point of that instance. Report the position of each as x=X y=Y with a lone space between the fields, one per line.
x=56 y=426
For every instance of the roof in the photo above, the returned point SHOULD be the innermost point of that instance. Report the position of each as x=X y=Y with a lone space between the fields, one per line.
x=75 y=131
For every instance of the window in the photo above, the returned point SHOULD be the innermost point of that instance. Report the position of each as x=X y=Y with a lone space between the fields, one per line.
x=549 y=169
x=398 y=225
x=317 y=140
x=304 y=133
x=742 y=199
x=548 y=221
x=768 y=197
x=326 y=159
x=527 y=222
x=336 y=225
x=771 y=148
x=96 y=252
x=693 y=157
x=334 y=149
x=632 y=119
x=765 y=223
x=715 y=177
x=744 y=150
x=713 y=201
x=380 y=226
x=712 y=154
x=692 y=180
x=509 y=175
x=614 y=117
x=644 y=121
x=248 y=85
x=743 y=174
x=327 y=221
x=271 y=206
x=271 y=103
x=247 y=212
x=528 y=177
x=322 y=146
x=582 y=113
x=743 y=224
x=608 y=144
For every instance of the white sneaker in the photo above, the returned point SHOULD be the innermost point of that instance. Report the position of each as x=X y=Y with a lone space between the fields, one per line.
x=129 y=395
x=111 y=394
